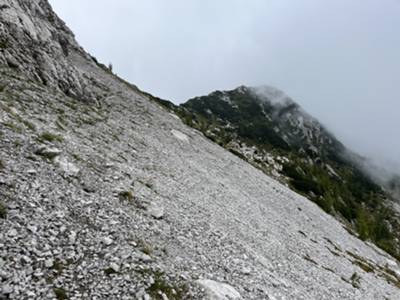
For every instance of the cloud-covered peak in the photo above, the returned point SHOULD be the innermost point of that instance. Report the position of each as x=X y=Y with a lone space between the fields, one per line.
x=272 y=95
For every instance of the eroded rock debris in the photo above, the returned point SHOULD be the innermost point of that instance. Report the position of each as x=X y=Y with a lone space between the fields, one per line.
x=84 y=155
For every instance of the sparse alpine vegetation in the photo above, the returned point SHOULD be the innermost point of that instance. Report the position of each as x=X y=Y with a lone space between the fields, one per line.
x=107 y=195
x=270 y=131
x=50 y=137
x=3 y=210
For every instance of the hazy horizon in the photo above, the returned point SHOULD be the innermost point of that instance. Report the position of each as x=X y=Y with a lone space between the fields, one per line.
x=338 y=59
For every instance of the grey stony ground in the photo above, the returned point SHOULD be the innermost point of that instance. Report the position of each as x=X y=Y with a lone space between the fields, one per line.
x=105 y=195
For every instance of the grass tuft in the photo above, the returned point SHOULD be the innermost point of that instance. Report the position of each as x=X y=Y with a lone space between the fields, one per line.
x=161 y=286
x=61 y=294
x=3 y=210
x=50 y=137
x=126 y=195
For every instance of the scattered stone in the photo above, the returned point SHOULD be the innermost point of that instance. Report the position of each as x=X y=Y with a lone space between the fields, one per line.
x=32 y=228
x=156 y=211
x=114 y=267
x=12 y=233
x=89 y=187
x=31 y=172
x=144 y=257
x=108 y=241
x=49 y=263
x=218 y=291
x=7 y=289
x=180 y=135
x=146 y=297
x=59 y=242
x=164 y=297
x=48 y=152
x=72 y=237
x=69 y=169
x=246 y=271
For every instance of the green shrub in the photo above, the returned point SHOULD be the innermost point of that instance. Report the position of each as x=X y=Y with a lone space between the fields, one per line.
x=364 y=224
x=3 y=210
x=110 y=271
x=61 y=294
x=161 y=286
x=3 y=43
x=126 y=195
x=50 y=137
x=147 y=249
x=306 y=186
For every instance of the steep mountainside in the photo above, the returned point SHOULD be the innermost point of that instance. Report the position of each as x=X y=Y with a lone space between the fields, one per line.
x=107 y=195
x=268 y=129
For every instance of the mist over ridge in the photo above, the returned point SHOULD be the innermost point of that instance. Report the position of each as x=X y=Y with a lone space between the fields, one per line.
x=342 y=67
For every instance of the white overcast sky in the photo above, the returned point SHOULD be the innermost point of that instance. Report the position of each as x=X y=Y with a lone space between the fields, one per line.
x=339 y=59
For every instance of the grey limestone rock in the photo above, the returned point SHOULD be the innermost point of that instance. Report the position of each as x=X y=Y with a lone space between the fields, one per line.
x=67 y=234
x=218 y=291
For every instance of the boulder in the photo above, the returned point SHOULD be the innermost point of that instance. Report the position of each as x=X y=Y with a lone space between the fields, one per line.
x=218 y=291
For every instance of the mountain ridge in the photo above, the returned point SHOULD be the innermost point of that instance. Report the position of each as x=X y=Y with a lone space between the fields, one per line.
x=268 y=129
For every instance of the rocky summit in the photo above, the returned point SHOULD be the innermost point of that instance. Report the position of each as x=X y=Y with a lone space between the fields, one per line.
x=106 y=194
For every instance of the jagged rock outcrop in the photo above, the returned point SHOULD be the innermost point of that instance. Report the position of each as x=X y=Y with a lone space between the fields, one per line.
x=74 y=222
x=36 y=42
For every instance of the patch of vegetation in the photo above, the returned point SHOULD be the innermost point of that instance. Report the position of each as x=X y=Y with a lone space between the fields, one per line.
x=58 y=267
x=356 y=198
x=110 y=271
x=145 y=247
x=116 y=136
x=13 y=127
x=71 y=105
x=126 y=195
x=29 y=125
x=3 y=210
x=61 y=293
x=385 y=272
x=76 y=157
x=51 y=18
x=390 y=276
x=364 y=266
x=347 y=193
x=61 y=122
x=3 y=43
x=355 y=280
x=50 y=137
x=161 y=286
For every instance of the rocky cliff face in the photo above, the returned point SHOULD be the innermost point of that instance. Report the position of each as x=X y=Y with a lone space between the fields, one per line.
x=36 y=42
x=106 y=195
